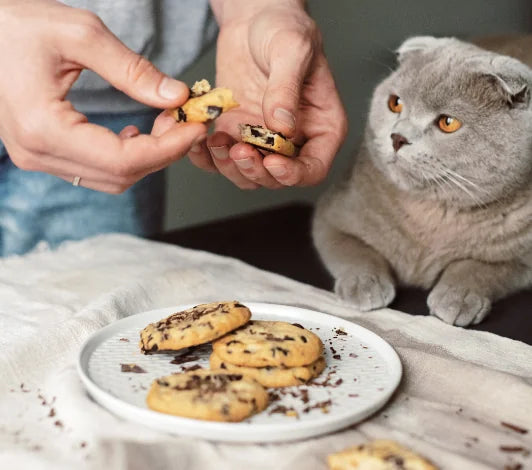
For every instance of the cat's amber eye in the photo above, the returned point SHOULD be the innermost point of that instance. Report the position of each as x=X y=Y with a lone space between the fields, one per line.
x=395 y=104
x=448 y=124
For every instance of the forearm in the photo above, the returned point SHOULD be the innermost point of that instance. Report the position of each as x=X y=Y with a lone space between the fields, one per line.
x=228 y=10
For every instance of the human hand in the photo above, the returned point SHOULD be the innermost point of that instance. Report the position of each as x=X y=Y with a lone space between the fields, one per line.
x=270 y=54
x=45 y=46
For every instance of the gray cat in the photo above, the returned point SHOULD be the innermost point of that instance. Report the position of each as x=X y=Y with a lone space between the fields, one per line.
x=440 y=195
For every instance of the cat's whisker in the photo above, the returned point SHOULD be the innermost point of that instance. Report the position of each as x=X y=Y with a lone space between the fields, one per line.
x=438 y=179
x=378 y=62
x=458 y=184
x=465 y=180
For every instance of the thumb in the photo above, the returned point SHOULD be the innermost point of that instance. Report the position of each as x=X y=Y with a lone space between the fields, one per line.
x=102 y=52
x=288 y=69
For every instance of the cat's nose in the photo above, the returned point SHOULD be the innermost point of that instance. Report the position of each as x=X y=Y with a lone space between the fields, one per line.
x=398 y=141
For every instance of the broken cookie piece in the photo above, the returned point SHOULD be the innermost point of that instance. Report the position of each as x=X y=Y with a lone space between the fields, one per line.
x=266 y=139
x=204 y=104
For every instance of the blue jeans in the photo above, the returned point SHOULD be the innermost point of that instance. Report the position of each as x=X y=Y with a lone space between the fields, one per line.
x=38 y=207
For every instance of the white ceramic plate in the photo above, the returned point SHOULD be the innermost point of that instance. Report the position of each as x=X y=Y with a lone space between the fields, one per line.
x=362 y=373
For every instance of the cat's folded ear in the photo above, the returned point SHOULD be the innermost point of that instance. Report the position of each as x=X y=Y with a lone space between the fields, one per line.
x=420 y=44
x=511 y=79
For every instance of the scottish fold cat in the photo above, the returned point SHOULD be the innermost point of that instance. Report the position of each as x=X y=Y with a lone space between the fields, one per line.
x=440 y=194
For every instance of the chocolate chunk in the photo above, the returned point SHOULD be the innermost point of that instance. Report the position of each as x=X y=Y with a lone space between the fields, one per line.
x=214 y=111
x=255 y=132
x=269 y=140
x=304 y=339
x=298 y=325
x=223 y=366
x=512 y=449
x=514 y=427
x=184 y=359
x=233 y=341
x=246 y=351
x=132 y=368
x=396 y=459
x=513 y=466
x=340 y=332
x=319 y=405
x=191 y=368
x=182 y=115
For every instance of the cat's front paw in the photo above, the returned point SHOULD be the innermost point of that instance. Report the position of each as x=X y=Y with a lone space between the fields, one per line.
x=460 y=306
x=366 y=291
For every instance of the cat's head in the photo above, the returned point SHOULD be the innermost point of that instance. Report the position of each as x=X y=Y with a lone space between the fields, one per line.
x=453 y=122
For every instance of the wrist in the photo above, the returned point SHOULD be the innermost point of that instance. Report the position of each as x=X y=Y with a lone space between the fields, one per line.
x=231 y=10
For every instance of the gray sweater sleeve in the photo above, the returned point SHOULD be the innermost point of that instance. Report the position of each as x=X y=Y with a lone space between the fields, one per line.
x=170 y=33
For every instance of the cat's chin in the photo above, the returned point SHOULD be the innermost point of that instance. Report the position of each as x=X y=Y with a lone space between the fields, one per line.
x=403 y=179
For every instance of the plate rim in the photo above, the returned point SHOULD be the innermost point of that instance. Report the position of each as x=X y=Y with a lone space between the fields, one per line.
x=262 y=431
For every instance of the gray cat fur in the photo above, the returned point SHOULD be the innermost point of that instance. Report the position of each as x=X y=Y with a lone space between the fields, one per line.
x=447 y=212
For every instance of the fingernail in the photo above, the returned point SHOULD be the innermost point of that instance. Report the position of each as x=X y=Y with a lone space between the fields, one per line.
x=221 y=153
x=286 y=117
x=171 y=89
x=244 y=163
x=277 y=170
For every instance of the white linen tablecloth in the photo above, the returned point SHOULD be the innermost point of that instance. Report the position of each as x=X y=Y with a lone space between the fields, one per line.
x=458 y=385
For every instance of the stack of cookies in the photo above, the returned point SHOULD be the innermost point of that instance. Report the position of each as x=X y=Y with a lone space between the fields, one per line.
x=274 y=353
x=247 y=356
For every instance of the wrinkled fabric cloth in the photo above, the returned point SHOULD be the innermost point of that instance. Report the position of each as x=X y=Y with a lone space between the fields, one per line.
x=37 y=207
x=458 y=385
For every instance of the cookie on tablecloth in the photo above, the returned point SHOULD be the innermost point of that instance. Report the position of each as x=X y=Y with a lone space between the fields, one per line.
x=270 y=376
x=269 y=343
x=378 y=455
x=196 y=325
x=213 y=395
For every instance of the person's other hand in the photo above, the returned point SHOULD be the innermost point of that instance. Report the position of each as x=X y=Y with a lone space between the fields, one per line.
x=270 y=54
x=45 y=45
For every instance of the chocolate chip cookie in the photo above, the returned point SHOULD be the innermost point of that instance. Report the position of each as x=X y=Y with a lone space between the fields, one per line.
x=269 y=343
x=271 y=376
x=204 y=104
x=213 y=395
x=266 y=139
x=378 y=455
x=194 y=326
